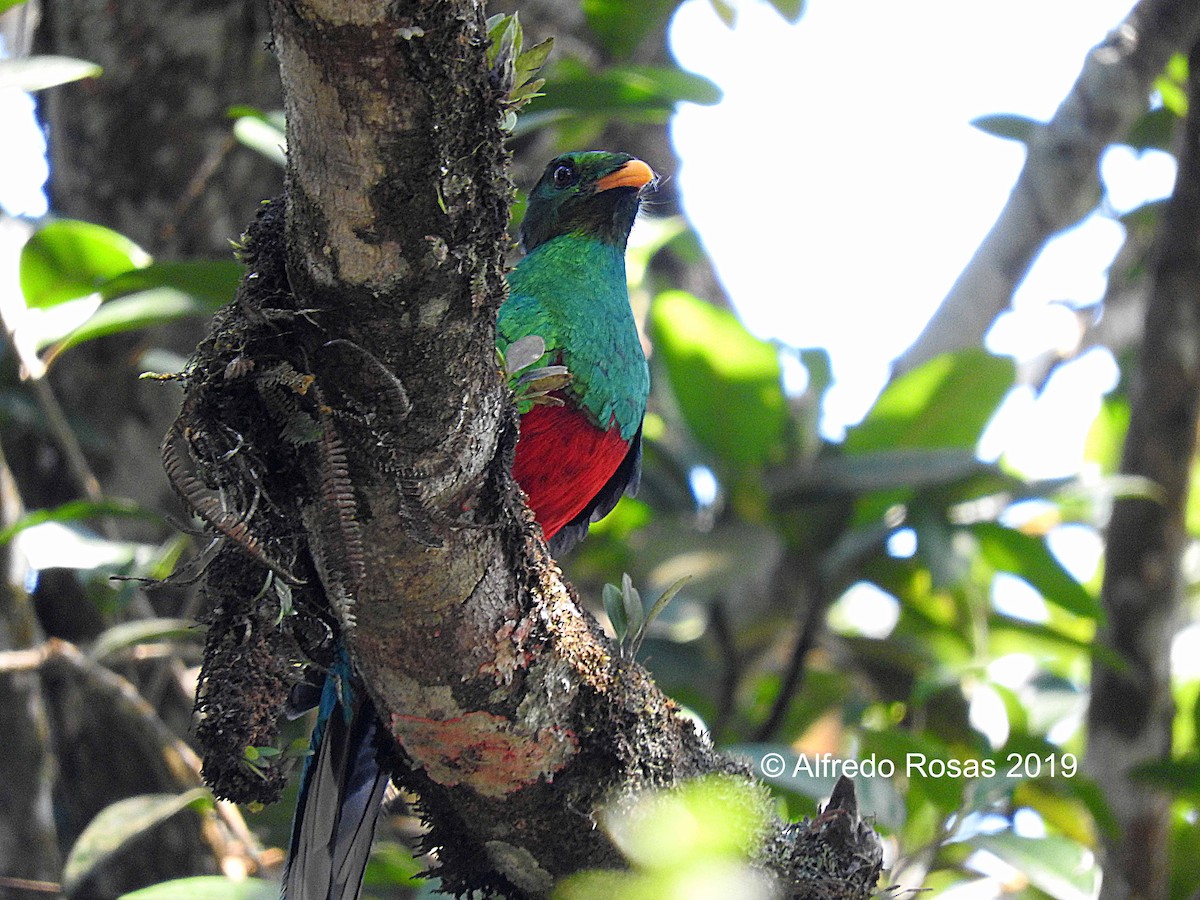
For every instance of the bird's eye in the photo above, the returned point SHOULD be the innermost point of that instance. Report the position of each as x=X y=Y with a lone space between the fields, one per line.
x=563 y=175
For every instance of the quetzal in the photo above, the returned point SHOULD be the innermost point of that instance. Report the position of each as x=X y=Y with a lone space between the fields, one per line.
x=576 y=455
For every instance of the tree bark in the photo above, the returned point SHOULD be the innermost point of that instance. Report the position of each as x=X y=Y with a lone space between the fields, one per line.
x=1130 y=716
x=369 y=408
x=146 y=149
x=1060 y=181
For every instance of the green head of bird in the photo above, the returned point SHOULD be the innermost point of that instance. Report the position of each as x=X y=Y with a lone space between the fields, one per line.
x=590 y=192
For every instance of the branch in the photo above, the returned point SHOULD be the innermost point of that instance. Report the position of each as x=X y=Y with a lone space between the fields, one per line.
x=347 y=432
x=1060 y=182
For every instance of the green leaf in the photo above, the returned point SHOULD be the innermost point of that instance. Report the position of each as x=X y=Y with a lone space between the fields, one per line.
x=140 y=310
x=725 y=12
x=533 y=59
x=1009 y=127
x=76 y=510
x=727 y=381
x=207 y=887
x=791 y=10
x=1028 y=557
x=1154 y=130
x=122 y=637
x=1059 y=866
x=631 y=599
x=1179 y=776
x=263 y=137
x=36 y=73
x=67 y=259
x=119 y=823
x=629 y=89
x=947 y=402
x=621 y=26
x=6 y=5
x=212 y=281
x=1174 y=95
x=614 y=607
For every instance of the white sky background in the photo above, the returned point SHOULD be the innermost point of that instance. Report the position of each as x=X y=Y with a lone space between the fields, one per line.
x=840 y=189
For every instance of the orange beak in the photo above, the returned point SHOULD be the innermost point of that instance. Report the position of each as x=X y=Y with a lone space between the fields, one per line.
x=634 y=174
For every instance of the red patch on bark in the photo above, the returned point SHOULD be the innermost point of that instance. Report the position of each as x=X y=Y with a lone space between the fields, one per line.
x=563 y=461
x=484 y=751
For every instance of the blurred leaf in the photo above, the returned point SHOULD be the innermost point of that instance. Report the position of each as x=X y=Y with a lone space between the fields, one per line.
x=1106 y=435
x=1009 y=127
x=878 y=471
x=1154 y=130
x=1181 y=777
x=391 y=865
x=1058 y=808
x=262 y=136
x=6 y=5
x=575 y=88
x=725 y=12
x=1059 y=866
x=944 y=403
x=122 y=637
x=76 y=510
x=66 y=259
x=35 y=73
x=118 y=823
x=1009 y=550
x=621 y=26
x=726 y=380
x=213 y=281
x=153 y=307
x=925 y=762
x=207 y=887
x=791 y=10
x=704 y=818
x=1172 y=85
x=1185 y=850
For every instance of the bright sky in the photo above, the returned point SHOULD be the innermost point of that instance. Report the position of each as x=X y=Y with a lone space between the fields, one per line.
x=840 y=188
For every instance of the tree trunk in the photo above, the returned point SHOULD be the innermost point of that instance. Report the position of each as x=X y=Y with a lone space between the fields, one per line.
x=148 y=150
x=1130 y=716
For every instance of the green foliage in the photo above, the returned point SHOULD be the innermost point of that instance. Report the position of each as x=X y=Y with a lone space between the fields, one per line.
x=513 y=67
x=1172 y=85
x=207 y=887
x=943 y=404
x=119 y=823
x=628 y=615
x=695 y=841
x=36 y=73
x=263 y=132
x=726 y=381
x=77 y=510
x=621 y=27
x=68 y=259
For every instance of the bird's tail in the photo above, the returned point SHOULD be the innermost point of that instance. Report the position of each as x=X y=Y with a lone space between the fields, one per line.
x=340 y=795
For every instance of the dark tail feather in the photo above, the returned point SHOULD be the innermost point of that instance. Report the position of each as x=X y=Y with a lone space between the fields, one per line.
x=340 y=796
